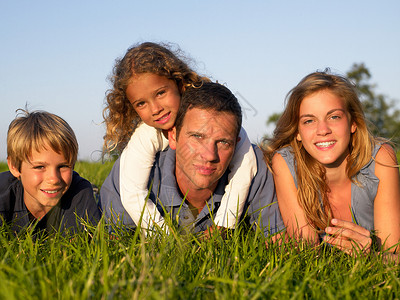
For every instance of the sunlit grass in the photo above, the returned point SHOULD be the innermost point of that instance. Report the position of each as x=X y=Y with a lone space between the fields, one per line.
x=96 y=265
x=96 y=173
x=3 y=166
x=128 y=265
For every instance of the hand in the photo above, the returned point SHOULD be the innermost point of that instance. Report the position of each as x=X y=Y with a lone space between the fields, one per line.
x=348 y=237
x=214 y=231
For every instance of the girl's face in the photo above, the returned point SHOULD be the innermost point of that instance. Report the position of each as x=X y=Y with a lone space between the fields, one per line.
x=325 y=128
x=155 y=99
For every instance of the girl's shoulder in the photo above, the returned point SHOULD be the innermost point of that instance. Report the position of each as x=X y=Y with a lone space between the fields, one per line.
x=287 y=155
x=385 y=155
x=286 y=151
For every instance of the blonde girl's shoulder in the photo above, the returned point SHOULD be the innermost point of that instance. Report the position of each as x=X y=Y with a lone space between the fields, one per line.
x=386 y=156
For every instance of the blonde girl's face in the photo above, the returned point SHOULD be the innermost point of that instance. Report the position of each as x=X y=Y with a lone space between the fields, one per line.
x=325 y=128
x=155 y=99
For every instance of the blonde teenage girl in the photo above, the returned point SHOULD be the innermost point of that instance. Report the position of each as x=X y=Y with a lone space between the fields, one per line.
x=140 y=108
x=331 y=175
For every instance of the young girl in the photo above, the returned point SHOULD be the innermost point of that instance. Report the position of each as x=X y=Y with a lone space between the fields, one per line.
x=331 y=175
x=141 y=107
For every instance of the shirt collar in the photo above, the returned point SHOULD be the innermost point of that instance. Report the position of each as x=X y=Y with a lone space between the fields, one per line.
x=169 y=187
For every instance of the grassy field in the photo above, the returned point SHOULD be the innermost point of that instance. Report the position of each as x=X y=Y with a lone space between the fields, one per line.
x=95 y=265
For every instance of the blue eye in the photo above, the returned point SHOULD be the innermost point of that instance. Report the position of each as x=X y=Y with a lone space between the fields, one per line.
x=307 y=121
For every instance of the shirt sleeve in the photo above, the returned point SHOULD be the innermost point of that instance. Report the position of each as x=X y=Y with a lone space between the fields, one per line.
x=263 y=209
x=243 y=168
x=137 y=159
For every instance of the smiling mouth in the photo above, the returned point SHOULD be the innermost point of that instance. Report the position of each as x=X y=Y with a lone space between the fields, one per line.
x=51 y=192
x=164 y=118
x=325 y=144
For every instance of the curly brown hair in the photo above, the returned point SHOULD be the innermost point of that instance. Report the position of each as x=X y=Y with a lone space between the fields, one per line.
x=119 y=115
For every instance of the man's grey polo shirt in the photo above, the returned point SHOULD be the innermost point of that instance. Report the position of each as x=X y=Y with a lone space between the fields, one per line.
x=261 y=208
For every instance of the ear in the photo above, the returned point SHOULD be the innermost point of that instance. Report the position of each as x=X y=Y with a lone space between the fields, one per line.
x=298 y=137
x=353 y=127
x=16 y=173
x=172 y=138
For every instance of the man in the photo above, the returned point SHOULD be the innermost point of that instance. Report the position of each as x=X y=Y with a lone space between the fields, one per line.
x=188 y=179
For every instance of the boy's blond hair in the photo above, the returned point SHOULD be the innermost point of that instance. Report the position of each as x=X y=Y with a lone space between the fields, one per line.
x=33 y=131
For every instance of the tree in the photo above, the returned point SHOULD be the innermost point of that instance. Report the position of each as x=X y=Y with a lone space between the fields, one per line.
x=382 y=115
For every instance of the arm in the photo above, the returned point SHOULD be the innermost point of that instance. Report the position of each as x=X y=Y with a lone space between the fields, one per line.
x=286 y=192
x=387 y=200
x=348 y=236
x=136 y=162
x=243 y=168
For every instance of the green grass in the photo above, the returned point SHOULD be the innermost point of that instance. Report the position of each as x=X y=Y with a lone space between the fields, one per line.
x=183 y=267
x=3 y=166
x=95 y=265
x=96 y=173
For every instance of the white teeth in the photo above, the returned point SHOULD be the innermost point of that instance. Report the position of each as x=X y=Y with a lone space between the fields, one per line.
x=50 y=192
x=325 y=144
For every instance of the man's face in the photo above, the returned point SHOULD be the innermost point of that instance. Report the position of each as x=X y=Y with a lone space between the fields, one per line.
x=204 y=148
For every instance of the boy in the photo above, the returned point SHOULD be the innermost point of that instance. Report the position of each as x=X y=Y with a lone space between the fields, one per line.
x=41 y=187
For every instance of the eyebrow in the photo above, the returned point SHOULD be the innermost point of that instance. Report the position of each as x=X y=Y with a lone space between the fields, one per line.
x=195 y=132
x=227 y=140
x=328 y=113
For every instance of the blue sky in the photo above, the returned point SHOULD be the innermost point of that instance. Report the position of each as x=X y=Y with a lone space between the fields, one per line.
x=56 y=56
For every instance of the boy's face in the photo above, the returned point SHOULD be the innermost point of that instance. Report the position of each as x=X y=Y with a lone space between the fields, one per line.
x=46 y=177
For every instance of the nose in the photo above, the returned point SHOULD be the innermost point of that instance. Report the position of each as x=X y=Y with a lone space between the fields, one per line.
x=209 y=152
x=53 y=176
x=156 y=108
x=323 y=128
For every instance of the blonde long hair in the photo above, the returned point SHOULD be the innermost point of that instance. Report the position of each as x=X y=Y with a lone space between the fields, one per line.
x=312 y=190
x=119 y=115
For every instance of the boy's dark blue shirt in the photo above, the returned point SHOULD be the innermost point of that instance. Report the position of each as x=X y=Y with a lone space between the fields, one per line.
x=78 y=201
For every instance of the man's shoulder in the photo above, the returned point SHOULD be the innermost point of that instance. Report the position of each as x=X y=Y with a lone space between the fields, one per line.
x=261 y=165
x=164 y=161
